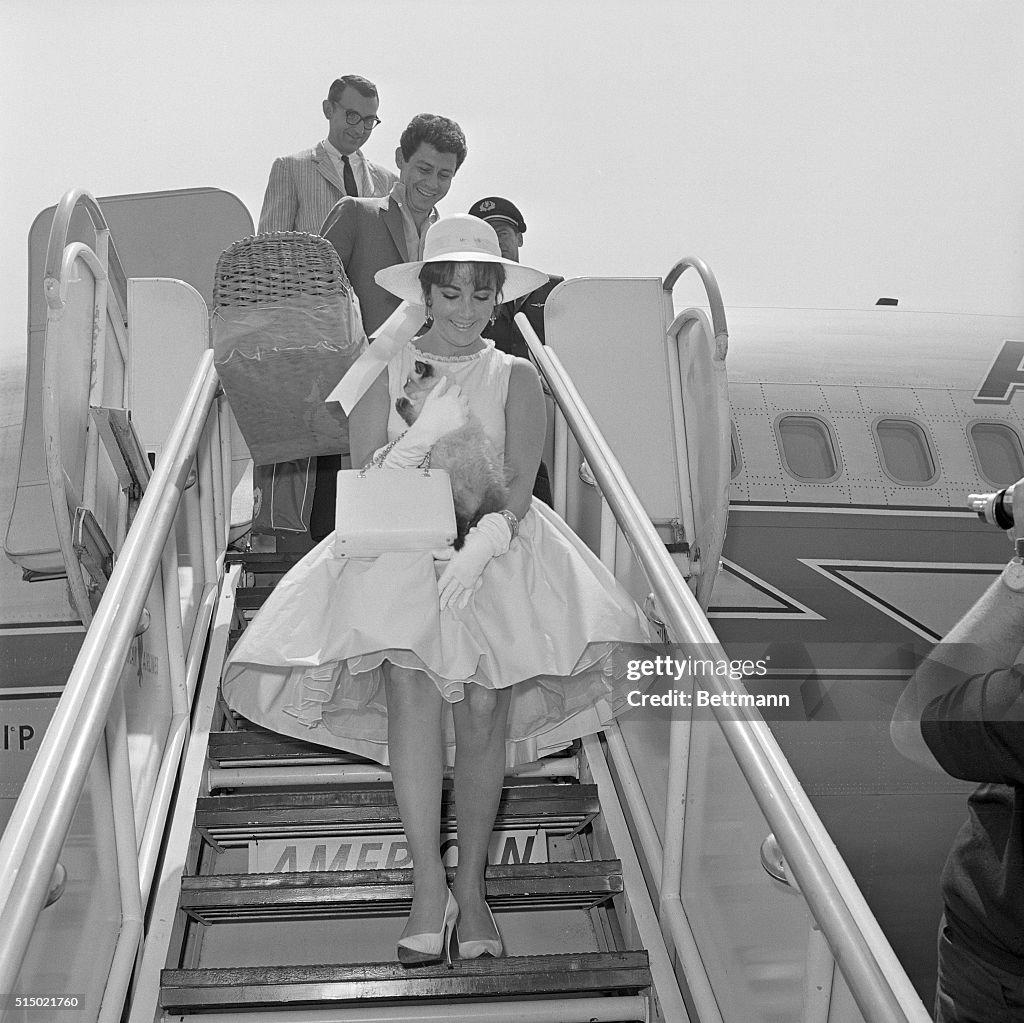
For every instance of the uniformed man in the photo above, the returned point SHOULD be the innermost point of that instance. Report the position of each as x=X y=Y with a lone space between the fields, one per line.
x=509 y=225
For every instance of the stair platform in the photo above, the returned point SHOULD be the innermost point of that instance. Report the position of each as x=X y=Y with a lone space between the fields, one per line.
x=268 y=987
x=218 y=898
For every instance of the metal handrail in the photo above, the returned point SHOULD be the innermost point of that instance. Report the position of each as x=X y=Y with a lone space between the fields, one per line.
x=39 y=825
x=875 y=977
x=715 y=303
x=59 y=230
x=103 y=262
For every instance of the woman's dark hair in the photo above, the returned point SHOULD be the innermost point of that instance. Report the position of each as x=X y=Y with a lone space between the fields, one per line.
x=485 y=275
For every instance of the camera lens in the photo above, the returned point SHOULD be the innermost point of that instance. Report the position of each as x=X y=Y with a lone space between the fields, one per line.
x=995 y=509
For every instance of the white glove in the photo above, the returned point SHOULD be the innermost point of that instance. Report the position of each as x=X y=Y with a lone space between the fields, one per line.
x=487 y=539
x=444 y=409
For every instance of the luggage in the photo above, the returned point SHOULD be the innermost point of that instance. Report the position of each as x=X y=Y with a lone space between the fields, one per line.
x=286 y=327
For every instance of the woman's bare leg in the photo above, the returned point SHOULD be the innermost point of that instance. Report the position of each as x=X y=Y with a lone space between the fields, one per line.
x=480 y=719
x=417 y=763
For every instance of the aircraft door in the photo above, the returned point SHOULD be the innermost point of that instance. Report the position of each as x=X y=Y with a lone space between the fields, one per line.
x=656 y=386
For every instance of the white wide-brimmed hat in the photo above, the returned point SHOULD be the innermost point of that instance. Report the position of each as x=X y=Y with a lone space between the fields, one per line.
x=459 y=238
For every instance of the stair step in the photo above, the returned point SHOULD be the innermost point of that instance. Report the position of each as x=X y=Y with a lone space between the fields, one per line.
x=233 y=820
x=218 y=898
x=509 y=977
x=253 y=747
x=278 y=563
x=252 y=598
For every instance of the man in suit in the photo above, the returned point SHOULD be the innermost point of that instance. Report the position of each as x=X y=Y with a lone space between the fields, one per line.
x=509 y=226
x=302 y=190
x=304 y=187
x=371 y=234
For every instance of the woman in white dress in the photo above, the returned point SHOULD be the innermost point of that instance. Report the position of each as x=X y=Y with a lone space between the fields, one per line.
x=508 y=649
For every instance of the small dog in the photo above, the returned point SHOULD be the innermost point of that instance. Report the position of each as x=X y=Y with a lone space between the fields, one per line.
x=479 y=484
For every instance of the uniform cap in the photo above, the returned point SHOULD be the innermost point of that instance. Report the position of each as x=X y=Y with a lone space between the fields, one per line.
x=496 y=208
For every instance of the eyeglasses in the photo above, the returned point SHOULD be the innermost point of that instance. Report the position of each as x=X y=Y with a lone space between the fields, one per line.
x=353 y=117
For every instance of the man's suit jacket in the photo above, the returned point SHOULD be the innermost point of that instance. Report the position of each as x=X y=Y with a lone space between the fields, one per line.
x=304 y=187
x=369 y=235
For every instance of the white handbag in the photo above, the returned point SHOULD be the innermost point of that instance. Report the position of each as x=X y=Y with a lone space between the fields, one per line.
x=383 y=510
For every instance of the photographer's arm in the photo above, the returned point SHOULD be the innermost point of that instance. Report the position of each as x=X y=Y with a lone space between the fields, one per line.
x=989 y=636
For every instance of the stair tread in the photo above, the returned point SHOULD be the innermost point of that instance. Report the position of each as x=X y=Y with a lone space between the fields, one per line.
x=566 y=973
x=503 y=872
x=226 y=747
x=257 y=745
x=584 y=883
x=377 y=802
x=383 y=796
x=252 y=598
x=372 y=809
x=264 y=562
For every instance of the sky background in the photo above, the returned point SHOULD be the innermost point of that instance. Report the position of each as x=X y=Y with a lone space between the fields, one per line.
x=815 y=153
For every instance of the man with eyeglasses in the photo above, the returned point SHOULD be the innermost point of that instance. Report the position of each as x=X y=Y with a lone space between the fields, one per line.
x=304 y=187
x=302 y=190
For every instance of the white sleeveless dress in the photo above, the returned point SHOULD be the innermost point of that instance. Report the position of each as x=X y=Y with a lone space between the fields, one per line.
x=548 y=619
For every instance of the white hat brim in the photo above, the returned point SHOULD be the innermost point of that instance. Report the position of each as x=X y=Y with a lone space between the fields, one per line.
x=403 y=279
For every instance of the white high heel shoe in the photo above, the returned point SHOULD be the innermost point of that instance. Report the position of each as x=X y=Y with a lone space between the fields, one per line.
x=427 y=949
x=482 y=946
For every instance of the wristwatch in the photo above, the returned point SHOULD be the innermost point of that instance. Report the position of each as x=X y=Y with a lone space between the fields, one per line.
x=1013 y=574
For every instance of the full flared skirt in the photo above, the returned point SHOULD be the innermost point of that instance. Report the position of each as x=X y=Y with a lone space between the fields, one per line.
x=548 y=620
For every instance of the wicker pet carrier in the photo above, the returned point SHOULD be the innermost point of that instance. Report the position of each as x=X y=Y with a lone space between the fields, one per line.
x=286 y=328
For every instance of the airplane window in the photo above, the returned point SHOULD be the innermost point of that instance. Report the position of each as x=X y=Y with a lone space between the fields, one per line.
x=807 y=449
x=904 y=451
x=999 y=453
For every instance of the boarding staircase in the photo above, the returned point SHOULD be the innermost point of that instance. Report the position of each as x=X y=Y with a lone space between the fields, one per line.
x=214 y=870
x=325 y=937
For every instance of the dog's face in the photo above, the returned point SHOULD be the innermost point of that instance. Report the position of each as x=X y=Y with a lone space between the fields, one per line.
x=417 y=386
